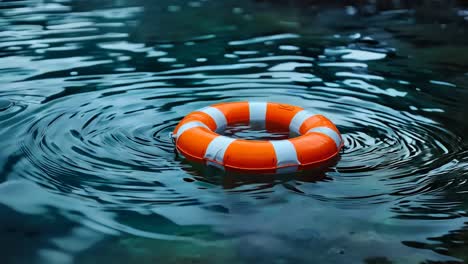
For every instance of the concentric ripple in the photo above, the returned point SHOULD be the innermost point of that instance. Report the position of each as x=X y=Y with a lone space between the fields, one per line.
x=105 y=145
x=120 y=139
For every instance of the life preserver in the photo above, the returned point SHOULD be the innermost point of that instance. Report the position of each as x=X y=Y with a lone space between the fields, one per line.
x=196 y=137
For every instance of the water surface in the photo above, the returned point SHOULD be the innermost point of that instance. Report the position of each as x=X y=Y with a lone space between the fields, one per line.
x=89 y=91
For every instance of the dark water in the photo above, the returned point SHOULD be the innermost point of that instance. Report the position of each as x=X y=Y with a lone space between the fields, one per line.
x=89 y=91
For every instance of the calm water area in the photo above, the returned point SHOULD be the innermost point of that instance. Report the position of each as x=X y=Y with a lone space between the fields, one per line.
x=90 y=90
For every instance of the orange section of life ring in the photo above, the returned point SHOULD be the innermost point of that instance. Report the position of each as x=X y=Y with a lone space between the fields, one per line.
x=196 y=137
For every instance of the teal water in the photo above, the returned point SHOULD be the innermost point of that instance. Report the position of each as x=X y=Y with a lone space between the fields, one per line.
x=89 y=91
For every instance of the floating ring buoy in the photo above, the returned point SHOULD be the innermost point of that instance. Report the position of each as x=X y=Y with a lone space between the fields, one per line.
x=196 y=137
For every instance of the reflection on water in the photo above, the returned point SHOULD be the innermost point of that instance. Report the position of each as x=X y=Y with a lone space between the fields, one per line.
x=90 y=91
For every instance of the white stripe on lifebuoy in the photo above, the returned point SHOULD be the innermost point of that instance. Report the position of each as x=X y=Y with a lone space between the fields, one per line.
x=298 y=120
x=188 y=126
x=329 y=132
x=285 y=153
x=257 y=112
x=217 y=147
x=217 y=116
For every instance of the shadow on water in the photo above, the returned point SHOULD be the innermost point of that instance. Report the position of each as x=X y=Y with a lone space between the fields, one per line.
x=90 y=90
x=230 y=180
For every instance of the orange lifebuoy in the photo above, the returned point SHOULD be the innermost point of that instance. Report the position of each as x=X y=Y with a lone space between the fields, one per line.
x=197 y=138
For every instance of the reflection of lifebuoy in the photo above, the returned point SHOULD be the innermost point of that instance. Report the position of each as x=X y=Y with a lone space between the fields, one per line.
x=319 y=141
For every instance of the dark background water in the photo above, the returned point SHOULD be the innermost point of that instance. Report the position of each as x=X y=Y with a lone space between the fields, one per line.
x=89 y=91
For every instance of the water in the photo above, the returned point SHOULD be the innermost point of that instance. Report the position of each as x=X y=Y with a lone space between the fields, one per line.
x=89 y=92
